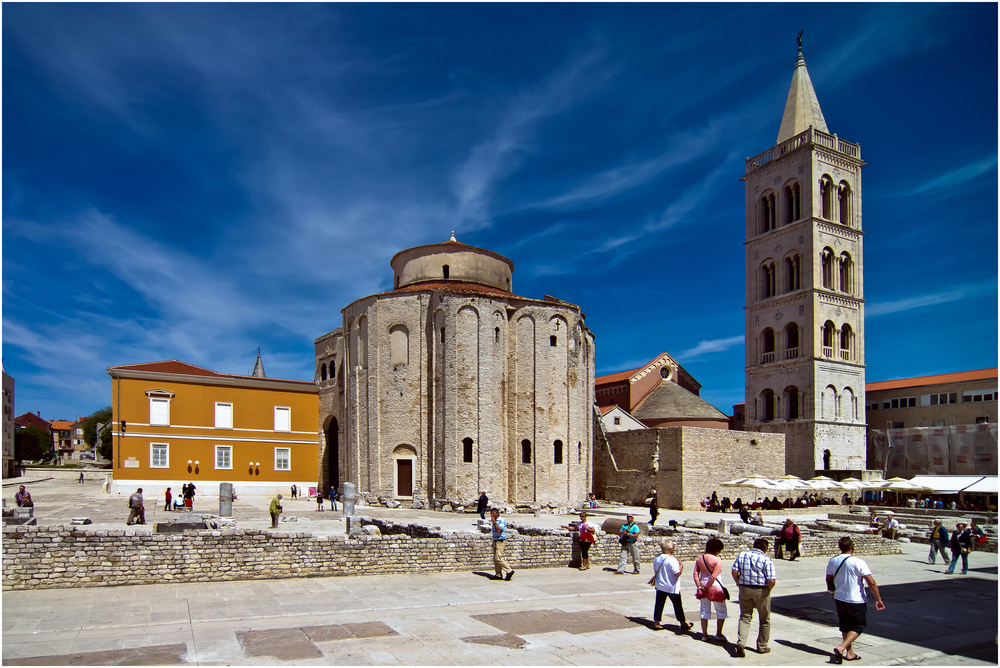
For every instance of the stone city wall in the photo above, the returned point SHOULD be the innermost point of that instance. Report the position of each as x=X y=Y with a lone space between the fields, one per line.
x=62 y=556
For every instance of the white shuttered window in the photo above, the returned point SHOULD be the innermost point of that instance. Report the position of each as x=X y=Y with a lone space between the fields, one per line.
x=159 y=412
x=223 y=415
x=282 y=418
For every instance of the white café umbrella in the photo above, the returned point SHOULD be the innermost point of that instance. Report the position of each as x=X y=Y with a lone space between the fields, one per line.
x=758 y=482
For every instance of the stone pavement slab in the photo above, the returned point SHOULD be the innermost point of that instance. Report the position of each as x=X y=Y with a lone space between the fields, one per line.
x=557 y=616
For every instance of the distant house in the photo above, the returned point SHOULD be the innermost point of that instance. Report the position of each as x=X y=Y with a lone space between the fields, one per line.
x=76 y=438
x=659 y=394
x=616 y=418
x=32 y=420
x=62 y=439
x=176 y=423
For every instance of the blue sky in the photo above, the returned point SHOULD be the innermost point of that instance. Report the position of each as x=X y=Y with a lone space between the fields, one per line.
x=193 y=181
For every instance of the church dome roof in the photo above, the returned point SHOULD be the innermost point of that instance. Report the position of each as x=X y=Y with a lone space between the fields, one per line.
x=450 y=261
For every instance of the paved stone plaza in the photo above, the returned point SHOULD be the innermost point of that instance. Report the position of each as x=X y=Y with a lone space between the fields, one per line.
x=542 y=617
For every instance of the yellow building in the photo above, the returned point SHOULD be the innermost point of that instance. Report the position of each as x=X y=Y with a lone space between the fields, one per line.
x=177 y=423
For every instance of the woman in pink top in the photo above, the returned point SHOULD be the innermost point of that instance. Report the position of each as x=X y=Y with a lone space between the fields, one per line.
x=707 y=569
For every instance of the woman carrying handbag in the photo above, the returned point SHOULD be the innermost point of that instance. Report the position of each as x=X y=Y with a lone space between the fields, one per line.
x=711 y=593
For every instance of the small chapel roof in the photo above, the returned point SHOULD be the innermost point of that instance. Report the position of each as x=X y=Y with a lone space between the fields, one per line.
x=802 y=106
x=671 y=401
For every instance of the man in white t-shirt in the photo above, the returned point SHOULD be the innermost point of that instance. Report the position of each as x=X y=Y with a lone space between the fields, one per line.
x=846 y=576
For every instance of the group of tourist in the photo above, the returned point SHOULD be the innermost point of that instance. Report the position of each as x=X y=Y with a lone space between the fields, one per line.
x=807 y=500
x=755 y=578
x=184 y=502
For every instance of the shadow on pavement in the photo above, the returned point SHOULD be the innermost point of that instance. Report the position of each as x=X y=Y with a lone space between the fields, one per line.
x=958 y=604
x=809 y=649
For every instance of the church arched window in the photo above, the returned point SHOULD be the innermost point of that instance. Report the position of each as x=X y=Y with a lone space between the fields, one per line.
x=827 y=262
x=791 y=341
x=793 y=272
x=846 y=342
x=791 y=403
x=767 y=346
x=828 y=333
x=467 y=449
x=826 y=197
x=767 y=276
x=846 y=203
x=767 y=213
x=322 y=371
x=525 y=451
x=767 y=405
x=793 y=207
x=846 y=273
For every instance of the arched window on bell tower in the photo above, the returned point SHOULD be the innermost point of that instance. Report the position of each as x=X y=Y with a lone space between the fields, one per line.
x=826 y=197
x=846 y=203
x=846 y=273
x=767 y=346
x=793 y=206
x=827 y=262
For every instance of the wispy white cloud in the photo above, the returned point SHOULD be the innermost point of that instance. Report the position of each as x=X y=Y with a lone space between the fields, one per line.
x=956 y=180
x=495 y=157
x=709 y=347
x=875 y=309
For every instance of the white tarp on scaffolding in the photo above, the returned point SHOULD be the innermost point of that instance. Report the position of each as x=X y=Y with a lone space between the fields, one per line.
x=968 y=450
x=947 y=484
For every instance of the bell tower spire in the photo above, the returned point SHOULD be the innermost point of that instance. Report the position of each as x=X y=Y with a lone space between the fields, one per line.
x=802 y=106
x=805 y=345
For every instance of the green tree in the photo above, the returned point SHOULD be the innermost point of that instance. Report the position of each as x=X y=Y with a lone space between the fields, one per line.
x=32 y=443
x=90 y=425
x=104 y=448
x=90 y=436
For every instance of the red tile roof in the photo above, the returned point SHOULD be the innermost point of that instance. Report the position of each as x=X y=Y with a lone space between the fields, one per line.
x=32 y=420
x=185 y=369
x=460 y=287
x=937 y=379
x=616 y=377
x=62 y=424
x=607 y=409
x=624 y=375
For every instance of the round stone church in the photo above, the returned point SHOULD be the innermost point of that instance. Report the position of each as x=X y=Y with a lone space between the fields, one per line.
x=451 y=384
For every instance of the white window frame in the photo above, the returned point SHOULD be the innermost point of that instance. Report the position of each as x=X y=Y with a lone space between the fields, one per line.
x=152 y=457
x=289 y=467
x=287 y=410
x=220 y=448
x=219 y=404
x=165 y=402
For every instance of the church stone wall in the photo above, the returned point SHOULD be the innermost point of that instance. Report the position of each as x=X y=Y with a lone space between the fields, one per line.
x=684 y=464
x=439 y=377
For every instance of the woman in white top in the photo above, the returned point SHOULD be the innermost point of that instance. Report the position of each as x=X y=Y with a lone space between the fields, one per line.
x=666 y=578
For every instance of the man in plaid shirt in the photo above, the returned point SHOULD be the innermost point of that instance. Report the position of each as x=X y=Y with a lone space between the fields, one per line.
x=753 y=572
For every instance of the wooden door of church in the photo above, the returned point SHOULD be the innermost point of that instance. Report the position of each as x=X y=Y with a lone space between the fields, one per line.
x=404 y=477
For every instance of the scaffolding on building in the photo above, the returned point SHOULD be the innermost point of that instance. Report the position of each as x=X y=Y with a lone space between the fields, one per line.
x=961 y=449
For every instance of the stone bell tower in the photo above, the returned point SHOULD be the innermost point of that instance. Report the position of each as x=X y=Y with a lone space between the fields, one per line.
x=805 y=351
